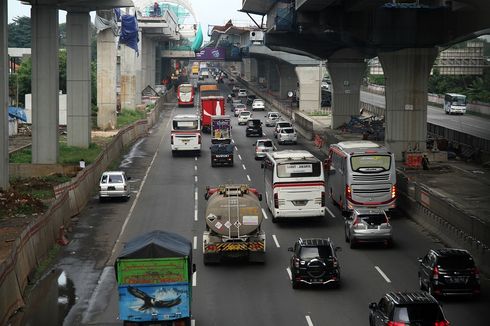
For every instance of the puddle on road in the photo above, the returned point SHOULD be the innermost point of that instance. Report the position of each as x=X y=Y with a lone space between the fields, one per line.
x=133 y=153
x=49 y=301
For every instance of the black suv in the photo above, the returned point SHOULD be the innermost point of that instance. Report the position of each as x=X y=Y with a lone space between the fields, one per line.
x=254 y=127
x=406 y=308
x=449 y=271
x=250 y=99
x=314 y=261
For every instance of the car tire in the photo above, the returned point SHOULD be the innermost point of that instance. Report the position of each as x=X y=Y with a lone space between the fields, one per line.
x=274 y=219
x=353 y=244
x=295 y=284
x=101 y=199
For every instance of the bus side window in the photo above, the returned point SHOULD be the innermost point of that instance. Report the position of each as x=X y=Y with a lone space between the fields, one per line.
x=342 y=165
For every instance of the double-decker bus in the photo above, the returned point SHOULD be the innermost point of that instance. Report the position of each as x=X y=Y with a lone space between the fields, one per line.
x=185 y=95
x=294 y=184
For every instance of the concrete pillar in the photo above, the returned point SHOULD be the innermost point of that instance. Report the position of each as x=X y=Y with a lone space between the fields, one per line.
x=45 y=84
x=148 y=62
x=158 y=66
x=309 y=88
x=144 y=61
x=151 y=70
x=78 y=81
x=106 y=80
x=274 y=77
x=288 y=80
x=139 y=72
x=128 y=77
x=406 y=75
x=346 y=76
x=253 y=70
x=247 y=65
x=4 y=97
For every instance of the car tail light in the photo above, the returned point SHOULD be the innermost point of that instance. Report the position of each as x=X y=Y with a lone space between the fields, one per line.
x=476 y=272
x=393 y=191
x=276 y=200
x=199 y=139
x=396 y=323
x=125 y=188
x=348 y=192
x=296 y=262
x=323 y=199
x=441 y=323
x=435 y=273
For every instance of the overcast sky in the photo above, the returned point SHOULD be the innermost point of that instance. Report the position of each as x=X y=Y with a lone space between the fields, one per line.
x=209 y=12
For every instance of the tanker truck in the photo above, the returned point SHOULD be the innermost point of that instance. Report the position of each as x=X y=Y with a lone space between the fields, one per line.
x=233 y=224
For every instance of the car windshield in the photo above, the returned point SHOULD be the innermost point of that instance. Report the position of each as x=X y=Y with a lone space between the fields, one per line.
x=419 y=312
x=370 y=163
x=267 y=143
x=258 y=102
x=455 y=262
x=375 y=219
x=241 y=106
x=244 y=113
x=242 y=91
x=315 y=252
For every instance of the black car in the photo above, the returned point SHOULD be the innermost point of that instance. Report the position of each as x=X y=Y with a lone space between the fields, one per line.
x=250 y=99
x=221 y=154
x=449 y=271
x=254 y=127
x=406 y=308
x=314 y=262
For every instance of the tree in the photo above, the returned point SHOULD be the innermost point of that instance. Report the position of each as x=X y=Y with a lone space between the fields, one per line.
x=19 y=32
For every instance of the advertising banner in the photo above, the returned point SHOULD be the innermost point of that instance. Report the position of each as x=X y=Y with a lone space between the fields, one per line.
x=152 y=271
x=211 y=54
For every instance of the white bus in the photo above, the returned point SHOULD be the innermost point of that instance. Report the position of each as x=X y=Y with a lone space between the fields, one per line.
x=294 y=184
x=454 y=103
x=186 y=134
x=361 y=174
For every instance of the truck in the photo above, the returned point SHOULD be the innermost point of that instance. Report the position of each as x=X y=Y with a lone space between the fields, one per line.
x=233 y=224
x=211 y=106
x=221 y=129
x=222 y=154
x=154 y=280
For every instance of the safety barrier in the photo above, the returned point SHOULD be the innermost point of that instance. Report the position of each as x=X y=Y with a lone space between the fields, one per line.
x=35 y=241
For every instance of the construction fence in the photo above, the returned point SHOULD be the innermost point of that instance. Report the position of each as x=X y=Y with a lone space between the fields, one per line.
x=40 y=235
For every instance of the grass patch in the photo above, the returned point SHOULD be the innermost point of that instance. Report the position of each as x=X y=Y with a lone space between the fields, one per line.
x=68 y=154
x=127 y=117
x=22 y=156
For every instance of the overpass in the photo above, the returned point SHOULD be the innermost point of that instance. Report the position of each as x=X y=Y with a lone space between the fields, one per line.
x=405 y=35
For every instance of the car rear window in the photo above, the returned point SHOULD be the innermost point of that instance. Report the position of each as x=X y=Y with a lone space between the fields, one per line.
x=114 y=178
x=245 y=113
x=267 y=143
x=287 y=130
x=253 y=123
x=283 y=124
x=375 y=219
x=315 y=252
x=456 y=262
x=418 y=312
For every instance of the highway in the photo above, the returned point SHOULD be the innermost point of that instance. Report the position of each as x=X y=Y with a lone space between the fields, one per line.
x=166 y=192
x=468 y=123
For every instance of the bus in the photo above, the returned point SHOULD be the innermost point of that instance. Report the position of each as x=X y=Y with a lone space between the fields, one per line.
x=186 y=134
x=454 y=103
x=294 y=184
x=185 y=95
x=361 y=174
x=195 y=70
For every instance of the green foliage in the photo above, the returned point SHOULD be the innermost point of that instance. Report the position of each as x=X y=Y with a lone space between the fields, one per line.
x=127 y=117
x=62 y=70
x=68 y=154
x=376 y=79
x=24 y=73
x=476 y=88
x=22 y=156
x=19 y=32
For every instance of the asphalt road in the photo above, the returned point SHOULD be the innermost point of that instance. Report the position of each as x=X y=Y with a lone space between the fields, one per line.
x=468 y=123
x=164 y=197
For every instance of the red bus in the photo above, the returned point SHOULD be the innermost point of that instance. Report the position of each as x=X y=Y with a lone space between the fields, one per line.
x=185 y=95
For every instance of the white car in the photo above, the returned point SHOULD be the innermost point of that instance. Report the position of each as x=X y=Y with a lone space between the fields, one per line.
x=262 y=146
x=239 y=108
x=271 y=118
x=287 y=135
x=258 y=104
x=280 y=125
x=114 y=184
x=243 y=117
x=242 y=92
x=235 y=88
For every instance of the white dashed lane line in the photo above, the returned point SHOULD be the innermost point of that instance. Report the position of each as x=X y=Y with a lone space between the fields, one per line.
x=194 y=245
x=330 y=212
x=236 y=148
x=195 y=194
x=194 y=279
x=239 y=156
x=275 y=241
x=195 y=167
x=308 y=320
x=243 y=165
x=195 y=178
x=195 y=158
x=248 y=178
x=265 y=214
x=289 y=273
x=382 y=274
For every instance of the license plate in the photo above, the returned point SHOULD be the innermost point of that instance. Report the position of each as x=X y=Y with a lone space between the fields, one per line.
x=458 y=279
x=299 y=202
x=111 y=188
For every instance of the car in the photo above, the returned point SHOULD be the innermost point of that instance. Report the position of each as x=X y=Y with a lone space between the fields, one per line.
x=258 y=104
x=250 y=99
x=368 y=225
x=314 y=262
x=235 y=88
x=114 y=184
x=279 y=125
x=242 y=92
x=406 y=308
x=449 y=271
x=271 y=118
x=230 y=97
x=262 y=146
x=287 y=135
x=254 y=127
x=239 y=108
x=244 y=116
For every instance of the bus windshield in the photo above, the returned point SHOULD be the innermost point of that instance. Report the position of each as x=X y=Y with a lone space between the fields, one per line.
x=299 y=170
x=185 y=125
x=458 y=101
x=185 y=88
x=370 y=163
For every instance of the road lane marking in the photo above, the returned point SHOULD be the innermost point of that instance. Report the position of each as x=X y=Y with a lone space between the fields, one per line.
x=195 y=178
x=248 y=177
x=382 y=274
x=194 y=245
x=244 y=166
x=308 y=320
x=275 y=240
x=239 y=156
x=265 y=214
x=289 y=273
x=195 y=194
x=330 y=212
x=193 y=322
x=233 y=141
x=195 y=158
x=195 y=167
x=195 y=215
x=195 y=203
x=236 y=148
x=194 y=279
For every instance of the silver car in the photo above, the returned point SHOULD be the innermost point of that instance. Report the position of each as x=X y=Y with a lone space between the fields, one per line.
x=271 y=118
x=114 y=184
x=287 y=135
x=262 y=146
x=368 y=225
x=280 y=125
